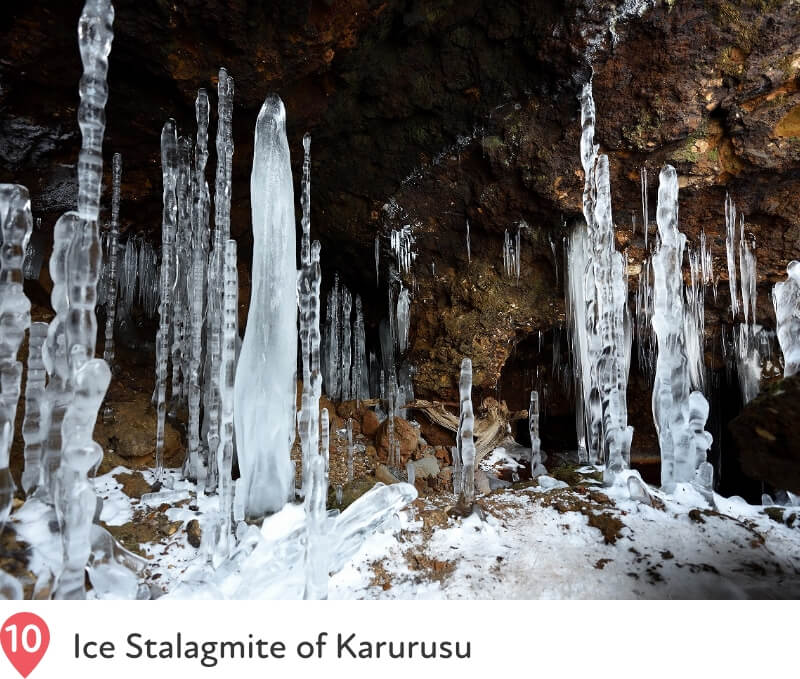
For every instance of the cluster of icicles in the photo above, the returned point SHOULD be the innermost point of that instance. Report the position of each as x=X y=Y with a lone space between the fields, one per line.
x=240 y=394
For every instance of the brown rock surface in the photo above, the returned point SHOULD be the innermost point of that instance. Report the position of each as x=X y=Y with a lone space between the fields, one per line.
x=406 y=436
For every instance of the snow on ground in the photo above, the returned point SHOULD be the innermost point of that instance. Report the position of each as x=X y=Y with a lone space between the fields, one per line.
x=541 y=539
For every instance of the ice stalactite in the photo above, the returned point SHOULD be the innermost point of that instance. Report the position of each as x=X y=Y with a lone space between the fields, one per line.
x=679 y=413
x=746 y=334
x=402 y=242
x=465 y=441
x=643 y=320
x=332 y=367
x=15 y=318
x=730 y=250
x=169 y=171
x=223 y=457
x=34 y=419
x=694 y=322
x=377 y=261
x=607 y=353
x=113 y=254
x=196 y=286
x=511 y=254
x=403 y=319
x=75 y=498
x=346 y=345
x=264 y=401
x=360 y=368
x=645 y=207
x=128 y=276
x=469 y=246
x=786 y=300
x=317 y=552
x=537 y=468
x=309 y=279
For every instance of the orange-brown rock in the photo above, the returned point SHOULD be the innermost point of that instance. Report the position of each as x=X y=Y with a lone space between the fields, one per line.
x=406 y=435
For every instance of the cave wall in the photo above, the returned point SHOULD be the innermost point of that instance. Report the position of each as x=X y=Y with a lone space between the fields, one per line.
x=431 y=113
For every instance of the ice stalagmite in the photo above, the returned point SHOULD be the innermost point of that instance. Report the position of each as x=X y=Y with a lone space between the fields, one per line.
x=169 y=171
x=222 y=229
x=75 y=498
x=464 y=437
x=786 y=299
x=537 y=468
x=33 y=422
x=679 y=413
x=15 y=317
x=264 y=395
x=317 y=556
x=308 y=284
x=605 y=296
x=224 y=454
x=113 y=254
x=196 y=285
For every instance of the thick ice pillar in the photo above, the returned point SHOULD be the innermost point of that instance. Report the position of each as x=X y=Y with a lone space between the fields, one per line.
x=679 y=413
x=265 y=390
x=786 y=299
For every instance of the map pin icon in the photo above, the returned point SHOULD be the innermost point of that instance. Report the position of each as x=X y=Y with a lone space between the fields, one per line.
x=24 y=638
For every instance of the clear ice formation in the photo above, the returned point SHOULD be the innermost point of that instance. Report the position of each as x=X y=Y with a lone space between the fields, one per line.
x=746 y=334
x=402 y=242
x=511 y=254
x=346 y=343
x=679 y=413
x=360 y=379
x=309 y=279
x=224 y=453
x=34 y=420
x=317 y=521
x=786 y=300
x=113 y=247
x=537 y=468
x=469 y=246
x=15 y=318
x=264 y=394
x=403 y=319
x=222 y=229
x=196 y=286
x=169 y=170
x=606 y=352
x=465 y=442
x=73 y=492
x=730 y=251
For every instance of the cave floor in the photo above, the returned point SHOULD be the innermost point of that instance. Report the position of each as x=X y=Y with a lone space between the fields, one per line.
x=570 y=540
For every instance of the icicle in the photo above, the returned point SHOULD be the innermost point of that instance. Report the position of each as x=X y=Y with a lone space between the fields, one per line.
x=645 y=213
x=169 y=170
x=402 y=243
x=265 y=391
x=377 y=261
x=360 y=370
x=464 y=437
x=403 y=320
x=679 y=413
x=113 y=246
x=730 y=236
x=308 y=296
x=786 y=299
x=15 y=318
x=346 y=345
x=694 y=320
x=469 y=246
x=224 y=454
